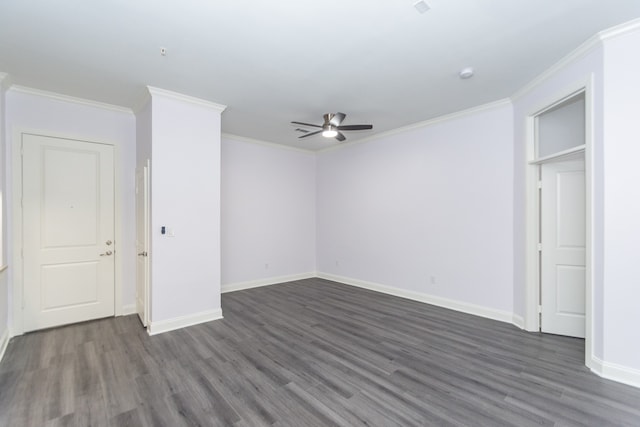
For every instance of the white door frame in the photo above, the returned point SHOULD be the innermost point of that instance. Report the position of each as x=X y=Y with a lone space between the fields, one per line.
x=17 y=327
x=532 y=292
x=146 y=170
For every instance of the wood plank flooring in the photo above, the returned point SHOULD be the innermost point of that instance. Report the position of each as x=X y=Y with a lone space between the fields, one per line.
x=308 y=353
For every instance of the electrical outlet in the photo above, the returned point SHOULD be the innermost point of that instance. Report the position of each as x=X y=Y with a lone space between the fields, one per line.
x=432 y=280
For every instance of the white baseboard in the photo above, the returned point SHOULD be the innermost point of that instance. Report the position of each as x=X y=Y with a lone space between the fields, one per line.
x=128 y=309
x=158 y=327
x=614 y=372
x=518 y=321
x=595 y=365
x=240 y=286
x=477 y=310
x=4 y=342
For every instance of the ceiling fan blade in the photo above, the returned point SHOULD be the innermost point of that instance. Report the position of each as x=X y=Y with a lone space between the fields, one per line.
x=340 y=137
x=355 y=127
x=310 y=134
x=306 y=124
x=337 y=119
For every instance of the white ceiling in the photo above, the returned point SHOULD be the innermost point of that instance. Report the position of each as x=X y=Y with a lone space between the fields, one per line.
x=271 y=62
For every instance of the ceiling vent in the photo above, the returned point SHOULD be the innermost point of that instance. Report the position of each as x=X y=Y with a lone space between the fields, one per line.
x=421 y=6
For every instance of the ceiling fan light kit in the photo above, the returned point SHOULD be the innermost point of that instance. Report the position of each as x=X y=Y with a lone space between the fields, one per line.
x=329 y=132
x=332 y=127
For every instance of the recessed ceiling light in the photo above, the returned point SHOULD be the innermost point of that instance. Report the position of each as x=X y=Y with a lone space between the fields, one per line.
x=421 y=6
x=466 y=73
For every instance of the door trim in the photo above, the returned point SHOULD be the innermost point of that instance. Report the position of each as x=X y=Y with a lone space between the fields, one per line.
x=532 y=263
x=17 y=327
x=146 y=171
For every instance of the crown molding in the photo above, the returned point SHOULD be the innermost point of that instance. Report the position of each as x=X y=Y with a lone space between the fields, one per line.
x=578 y=53
x=67 y=98
x=426 y=123
x=619 y=30
x=154 y=91
x=266 y=143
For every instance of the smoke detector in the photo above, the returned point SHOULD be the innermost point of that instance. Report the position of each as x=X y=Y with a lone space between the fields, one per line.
x=466 y=73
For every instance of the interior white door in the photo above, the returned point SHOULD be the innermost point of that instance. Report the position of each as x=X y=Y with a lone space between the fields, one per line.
x=68 y=231
x=563 y=279
x=142 y=244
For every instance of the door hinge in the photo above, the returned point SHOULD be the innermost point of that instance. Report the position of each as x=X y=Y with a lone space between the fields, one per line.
x=539 y=309
x=539 y=184
x=539 y=247
x=540 y=322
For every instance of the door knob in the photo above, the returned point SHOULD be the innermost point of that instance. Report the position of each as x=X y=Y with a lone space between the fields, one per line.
x=143 y=253
x=108 y=242
x=106 y=253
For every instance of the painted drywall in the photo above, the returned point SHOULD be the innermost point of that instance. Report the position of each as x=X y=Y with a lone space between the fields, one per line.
x=143 y=135
x=621 y=134
x=268 y=212
x=185 y=198
x=427 y=211
x=30 y=111
x=543 y=94
x=4 y=283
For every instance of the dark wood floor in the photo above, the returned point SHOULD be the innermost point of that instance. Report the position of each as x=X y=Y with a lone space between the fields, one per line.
x=308 y=353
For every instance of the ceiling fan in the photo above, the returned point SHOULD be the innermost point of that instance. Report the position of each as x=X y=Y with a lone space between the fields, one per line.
x=332 y=128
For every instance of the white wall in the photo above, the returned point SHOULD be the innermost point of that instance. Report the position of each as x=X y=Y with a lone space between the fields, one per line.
x=185 y=197
x=143 y=135
x=621 y=132
x=268 y=213
x=4 y=283
x=31 y=111
x=433 y=201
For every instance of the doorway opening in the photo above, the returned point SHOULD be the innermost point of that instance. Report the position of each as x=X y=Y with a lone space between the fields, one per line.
x=558 y=265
